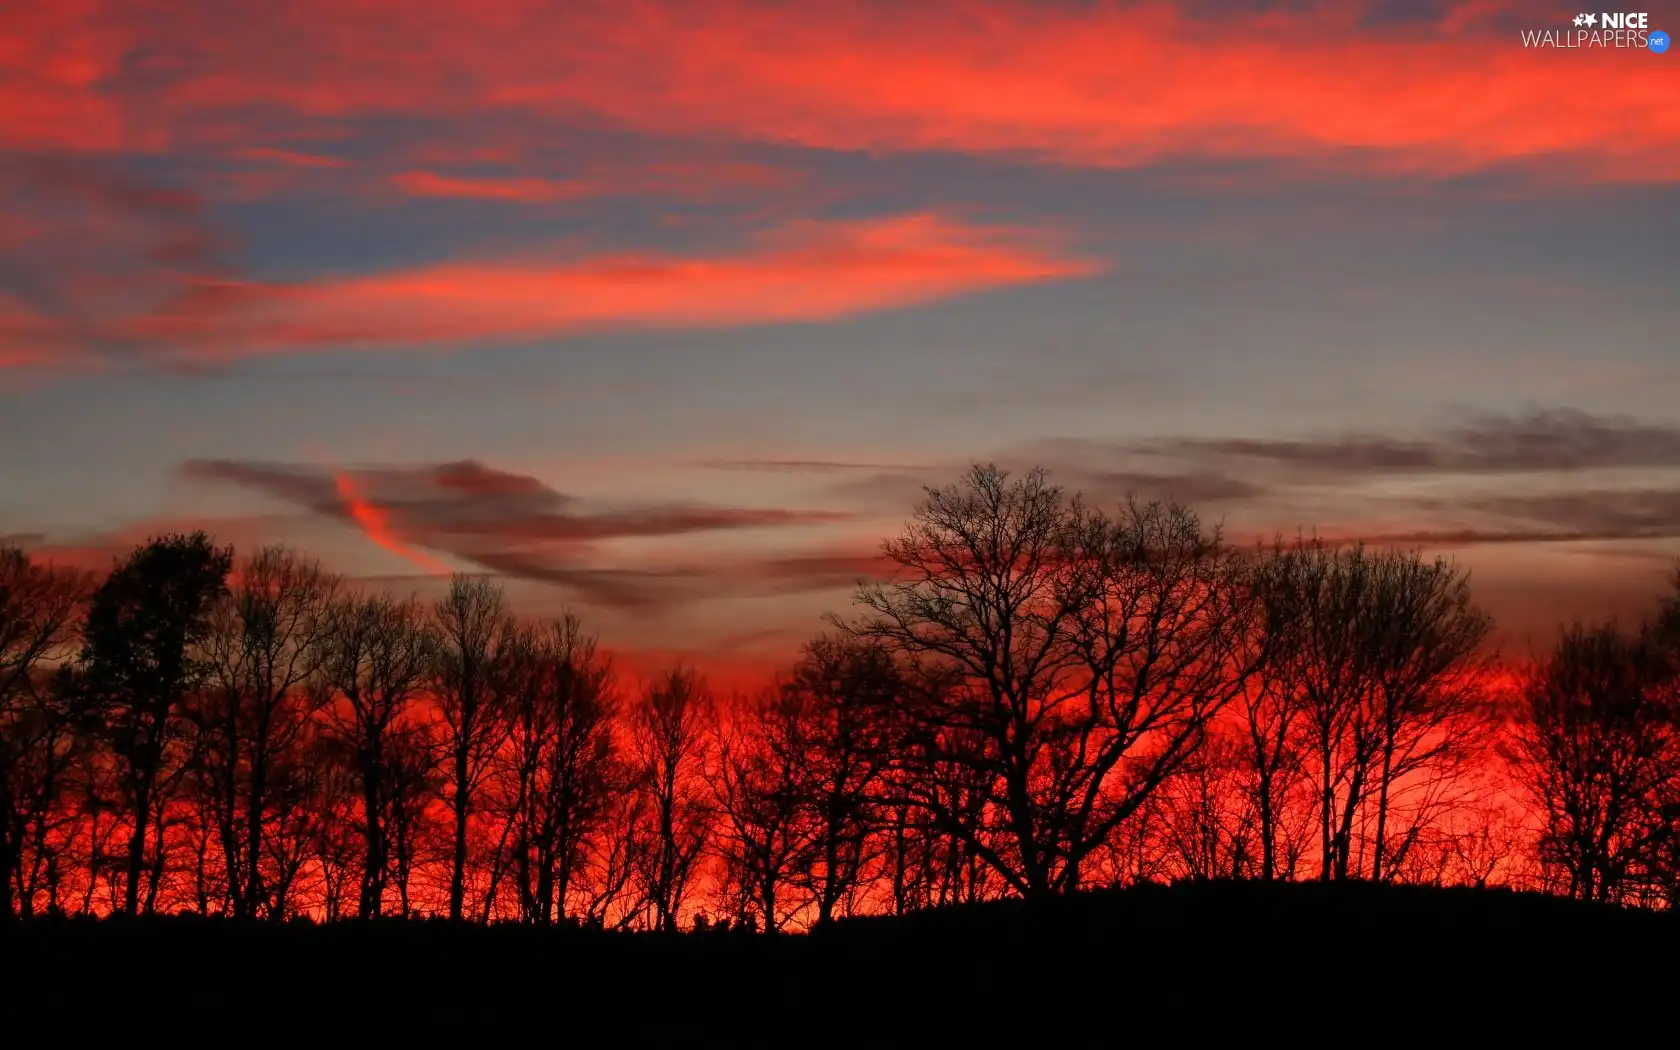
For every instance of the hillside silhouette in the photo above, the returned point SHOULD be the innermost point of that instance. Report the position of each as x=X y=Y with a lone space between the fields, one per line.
x=1200 y=959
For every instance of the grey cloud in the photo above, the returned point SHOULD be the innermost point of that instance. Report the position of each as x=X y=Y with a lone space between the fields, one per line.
x=514 y=525
x=1549 y=440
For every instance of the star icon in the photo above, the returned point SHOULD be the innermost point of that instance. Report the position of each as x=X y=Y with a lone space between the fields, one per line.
x=1579 y=19
x=1592 y=20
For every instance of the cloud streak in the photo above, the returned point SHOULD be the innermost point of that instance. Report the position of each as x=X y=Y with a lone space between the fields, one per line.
x=811 y=271
x=515 y=525
x=1527 y=471
x=678 y=182
x=1549 y=440
x=1085 y=84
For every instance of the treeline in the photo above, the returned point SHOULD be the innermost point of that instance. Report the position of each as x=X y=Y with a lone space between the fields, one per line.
x=1042 y=696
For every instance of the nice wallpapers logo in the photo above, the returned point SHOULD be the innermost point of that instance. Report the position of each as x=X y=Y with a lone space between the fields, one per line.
x=1603 y=29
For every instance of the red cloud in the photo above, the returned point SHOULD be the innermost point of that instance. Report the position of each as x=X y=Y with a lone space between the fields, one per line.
x=1098 y=84
x=371 y=519
x=692 y=182
x=519 y=190
x=291 y=158
x=812 y=271
x=516 y=526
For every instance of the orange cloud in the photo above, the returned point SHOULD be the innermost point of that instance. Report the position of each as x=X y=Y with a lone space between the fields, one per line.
x=371 y=520
x=698 y=181
x=516 y=526
x=811 y=271
x=1090 y=84
x=520 y=190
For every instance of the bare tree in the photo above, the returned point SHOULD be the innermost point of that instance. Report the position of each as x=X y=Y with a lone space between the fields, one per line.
x=758 y=794
x=1269 y=709
x=1430 y=702
x=1319 y=593
x=307 y=787
x=1207 y=829
x=338 y=842
x=262 y=647
x=1384 y=656
x=671 y=747
x=40 y=728
x=1597 y=749
x=374 y=660
x=606 y=894
x=1088 y=653
x=472 y=626
x=563 y=758
x=838 y=693
x=413 y=780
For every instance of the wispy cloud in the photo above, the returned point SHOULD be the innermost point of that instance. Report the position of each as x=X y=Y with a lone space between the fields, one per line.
x=1528 y=474
x=810 y=271
x=1550 y=440
x=508 y=189
x=693 y=181
x=1090 y=84
x=807 y=466
x=85 y=248
x=515 y=525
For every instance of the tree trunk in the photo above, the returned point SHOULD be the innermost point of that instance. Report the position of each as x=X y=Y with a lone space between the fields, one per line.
x=373 y=863
x=1344 y=833
x=1382 y=810
x=458 y=876
x=156 y=874
x=1326 y=803
x=554 y=896
x=253 y=890
x=11 y=851
x=137 y=851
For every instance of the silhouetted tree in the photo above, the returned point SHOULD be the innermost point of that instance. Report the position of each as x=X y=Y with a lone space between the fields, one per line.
x=339 y=841
x=670 y=734
x=1042 y=696
x=1430 y=702
x=144 y=627
x=1208 y=830
x=1597 y=746
x=1088 y=653
x=563 y=757
x=413 y=778
x=255 y=712
x=374 y=660
x=41 y=725
x=305 y=790
x=1269 y=709
x=1385 y=657
x=472 y=626
x=607 y=898
x=840 y=691
x=758 y=794
x=1662 y=642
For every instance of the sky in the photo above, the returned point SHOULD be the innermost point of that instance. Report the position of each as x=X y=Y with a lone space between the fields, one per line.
x=665 y=312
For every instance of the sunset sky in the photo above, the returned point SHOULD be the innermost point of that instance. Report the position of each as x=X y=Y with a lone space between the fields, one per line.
x=666 y=312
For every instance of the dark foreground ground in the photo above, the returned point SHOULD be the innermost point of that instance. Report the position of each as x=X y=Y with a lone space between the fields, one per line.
x=1236 y=964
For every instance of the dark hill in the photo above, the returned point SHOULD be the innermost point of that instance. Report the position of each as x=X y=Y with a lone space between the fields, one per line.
x=1356 y=964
